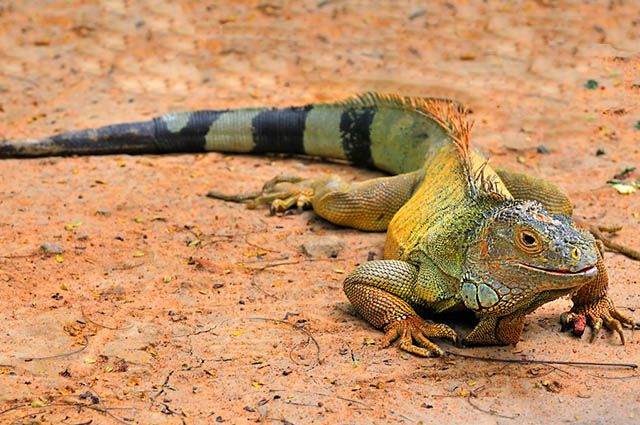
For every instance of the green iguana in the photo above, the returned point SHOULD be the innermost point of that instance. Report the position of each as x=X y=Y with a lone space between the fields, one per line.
x=460 y=235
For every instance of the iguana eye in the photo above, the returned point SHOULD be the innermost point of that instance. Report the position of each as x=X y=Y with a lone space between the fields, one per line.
x=528 y=241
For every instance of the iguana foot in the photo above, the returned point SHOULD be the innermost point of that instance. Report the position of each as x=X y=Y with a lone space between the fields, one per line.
x=596 y=314
x=280 y=193
x=414 y=328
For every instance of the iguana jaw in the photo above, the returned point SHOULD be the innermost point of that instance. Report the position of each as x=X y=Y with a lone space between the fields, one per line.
x=583 y=274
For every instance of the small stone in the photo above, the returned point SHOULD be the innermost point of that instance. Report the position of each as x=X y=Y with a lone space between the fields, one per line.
x=543 y=150
x=51 y=248
x=323 y=246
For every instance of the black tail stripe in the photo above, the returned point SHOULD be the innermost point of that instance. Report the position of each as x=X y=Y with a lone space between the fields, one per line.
x=355 y=131
x=280 y=130
x=191 y=138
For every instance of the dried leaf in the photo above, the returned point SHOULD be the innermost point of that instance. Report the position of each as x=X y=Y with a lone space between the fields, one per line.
x=624 y=188
x=36 y=402
x=72 y=226
x=149 y=349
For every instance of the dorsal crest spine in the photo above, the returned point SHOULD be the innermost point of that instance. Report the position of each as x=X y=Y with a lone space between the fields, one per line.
x=451 y=116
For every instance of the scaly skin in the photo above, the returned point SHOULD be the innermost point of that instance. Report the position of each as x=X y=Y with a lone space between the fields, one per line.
x=459 y=234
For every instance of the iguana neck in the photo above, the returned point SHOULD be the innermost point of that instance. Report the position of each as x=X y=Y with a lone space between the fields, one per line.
x=442 y=219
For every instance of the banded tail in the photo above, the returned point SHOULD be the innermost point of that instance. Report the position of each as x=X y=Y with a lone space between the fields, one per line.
x=388 y=132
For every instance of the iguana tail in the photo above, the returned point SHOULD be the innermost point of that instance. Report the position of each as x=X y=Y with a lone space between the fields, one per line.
x=388 y=132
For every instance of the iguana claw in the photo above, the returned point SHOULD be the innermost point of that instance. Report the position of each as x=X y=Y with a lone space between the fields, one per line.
x=599 y=313
x=414 y=328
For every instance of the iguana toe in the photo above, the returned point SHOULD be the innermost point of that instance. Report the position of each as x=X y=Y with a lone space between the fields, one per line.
x=414 y=328
x=596 y=326
x=300 y=200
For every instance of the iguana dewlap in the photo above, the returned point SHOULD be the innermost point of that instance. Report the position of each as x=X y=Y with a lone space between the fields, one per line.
x=459 y=234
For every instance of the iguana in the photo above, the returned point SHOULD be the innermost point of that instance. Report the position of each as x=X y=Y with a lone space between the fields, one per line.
x=460 y=235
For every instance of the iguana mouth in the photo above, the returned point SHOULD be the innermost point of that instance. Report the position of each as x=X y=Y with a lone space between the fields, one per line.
x=587 y=271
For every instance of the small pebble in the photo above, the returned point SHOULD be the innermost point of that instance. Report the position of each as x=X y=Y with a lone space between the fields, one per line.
x=543 y=150
x=51 y=248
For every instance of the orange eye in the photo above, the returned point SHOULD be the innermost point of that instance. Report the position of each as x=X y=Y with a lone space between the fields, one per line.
x=528 y=241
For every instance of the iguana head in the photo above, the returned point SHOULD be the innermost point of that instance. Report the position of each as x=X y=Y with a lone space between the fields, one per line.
x=524 y=255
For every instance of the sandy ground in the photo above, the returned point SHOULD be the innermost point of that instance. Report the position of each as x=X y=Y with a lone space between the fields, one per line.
x=169 y=307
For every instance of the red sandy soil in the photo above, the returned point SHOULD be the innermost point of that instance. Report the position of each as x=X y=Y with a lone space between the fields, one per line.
x=170 y=307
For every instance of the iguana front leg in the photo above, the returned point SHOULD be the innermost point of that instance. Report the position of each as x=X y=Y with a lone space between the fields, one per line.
x=367 y=205
x=381 y=291
x=592 y=304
